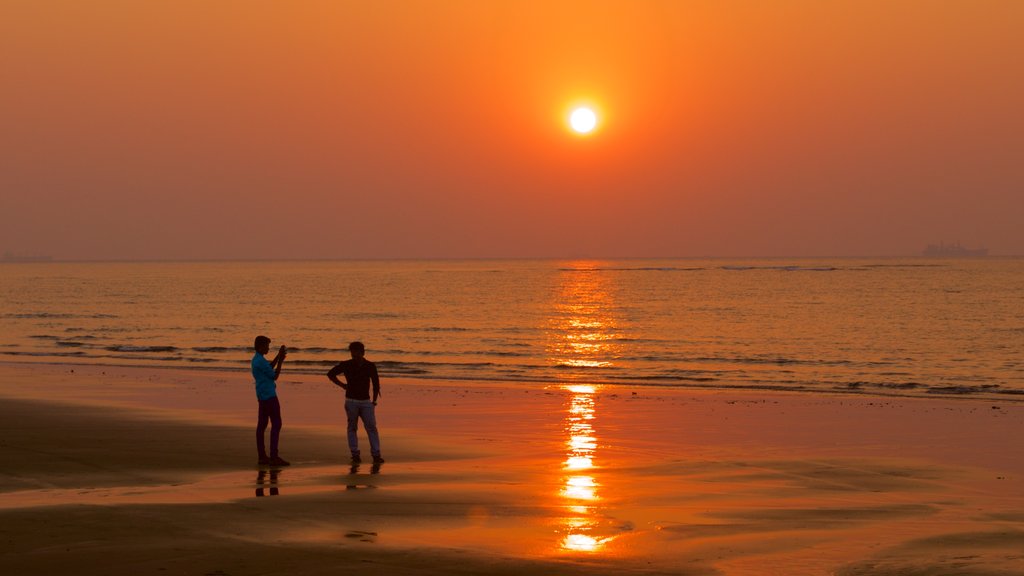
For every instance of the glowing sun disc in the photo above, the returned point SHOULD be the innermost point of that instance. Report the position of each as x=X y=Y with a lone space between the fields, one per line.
x=583 y=120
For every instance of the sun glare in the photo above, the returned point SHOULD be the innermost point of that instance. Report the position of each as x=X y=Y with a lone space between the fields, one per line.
x=583 y=120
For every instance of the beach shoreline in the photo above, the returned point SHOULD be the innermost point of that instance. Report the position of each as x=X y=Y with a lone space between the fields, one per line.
x=953 y=392
x=144 y=470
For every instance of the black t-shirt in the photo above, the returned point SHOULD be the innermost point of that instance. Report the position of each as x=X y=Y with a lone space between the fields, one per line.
x=358 y=377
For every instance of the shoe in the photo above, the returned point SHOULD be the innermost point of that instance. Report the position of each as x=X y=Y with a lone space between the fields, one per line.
x=278 y=461
x=377 y=459
x=264 y=461
x=356 y=459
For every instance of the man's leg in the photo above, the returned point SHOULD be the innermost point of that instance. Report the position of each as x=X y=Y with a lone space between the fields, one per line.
x=352 y=413
x=370 y=425
x=261 y=427
x=274 y=413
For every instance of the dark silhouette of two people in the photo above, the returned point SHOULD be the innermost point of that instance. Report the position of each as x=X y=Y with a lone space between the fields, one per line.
x=361 y=380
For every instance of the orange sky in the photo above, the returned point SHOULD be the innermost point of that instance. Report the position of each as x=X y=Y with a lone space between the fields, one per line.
x=323 y=129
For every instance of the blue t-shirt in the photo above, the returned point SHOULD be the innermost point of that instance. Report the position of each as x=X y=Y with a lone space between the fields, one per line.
x=263 y=374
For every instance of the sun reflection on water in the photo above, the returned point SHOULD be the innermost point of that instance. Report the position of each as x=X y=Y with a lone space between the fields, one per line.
x=579 y=463
x=580 y=486
x=581 y=543
x=583 y=337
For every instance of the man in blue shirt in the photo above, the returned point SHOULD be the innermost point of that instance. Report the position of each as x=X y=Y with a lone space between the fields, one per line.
x=360 y=375
x=265 y=375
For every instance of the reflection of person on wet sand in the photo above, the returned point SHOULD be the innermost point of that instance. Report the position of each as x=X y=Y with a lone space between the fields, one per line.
x=261 y=481
x=265 y=376
x=359 y=373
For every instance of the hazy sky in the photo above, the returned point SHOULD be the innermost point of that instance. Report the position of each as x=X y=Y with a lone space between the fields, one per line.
x=437 y=128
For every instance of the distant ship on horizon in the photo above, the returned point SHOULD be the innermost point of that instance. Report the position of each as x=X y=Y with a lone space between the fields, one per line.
x=943 y=250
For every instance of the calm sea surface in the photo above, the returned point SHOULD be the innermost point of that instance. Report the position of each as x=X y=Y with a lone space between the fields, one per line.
x=916 y=326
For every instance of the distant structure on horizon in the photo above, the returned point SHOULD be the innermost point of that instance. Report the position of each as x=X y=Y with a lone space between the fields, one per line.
x=943 y=250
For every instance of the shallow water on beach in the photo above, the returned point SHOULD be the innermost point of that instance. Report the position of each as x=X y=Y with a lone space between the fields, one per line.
x=883 y=326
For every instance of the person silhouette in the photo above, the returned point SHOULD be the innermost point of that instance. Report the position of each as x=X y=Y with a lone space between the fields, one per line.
x=359 y=374
x=265 y=375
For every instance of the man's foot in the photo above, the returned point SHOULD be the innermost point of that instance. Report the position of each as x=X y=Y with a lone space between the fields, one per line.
x=264 y=461
x=378 y=459
x=356 y=459
x=278 y=461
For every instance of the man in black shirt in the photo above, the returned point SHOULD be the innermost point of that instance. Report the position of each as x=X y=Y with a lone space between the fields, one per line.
x=359 y=373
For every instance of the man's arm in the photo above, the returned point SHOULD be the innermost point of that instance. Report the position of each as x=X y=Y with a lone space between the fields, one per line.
x=266 y=369
x=333 y=377
x=281 y=353
x=279 y=361
x=376 y=384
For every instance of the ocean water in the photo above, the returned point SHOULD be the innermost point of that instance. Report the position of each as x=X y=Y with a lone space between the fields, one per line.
x=887 y=326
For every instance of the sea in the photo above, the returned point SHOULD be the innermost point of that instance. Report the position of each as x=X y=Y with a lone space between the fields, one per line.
x=917 y=327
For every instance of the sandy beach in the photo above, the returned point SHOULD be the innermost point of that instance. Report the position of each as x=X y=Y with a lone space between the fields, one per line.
x=113 y=470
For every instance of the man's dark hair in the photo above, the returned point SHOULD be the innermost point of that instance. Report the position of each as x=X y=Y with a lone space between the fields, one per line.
x=357 y=346
x=260 y=340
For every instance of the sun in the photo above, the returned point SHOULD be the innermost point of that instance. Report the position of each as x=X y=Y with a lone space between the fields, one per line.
x=583 y=120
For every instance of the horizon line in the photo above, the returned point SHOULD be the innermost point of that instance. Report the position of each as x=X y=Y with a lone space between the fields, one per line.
x=53 y=260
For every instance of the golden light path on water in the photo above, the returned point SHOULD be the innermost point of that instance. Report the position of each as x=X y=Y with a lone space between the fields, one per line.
x=584 y=338
x=580 y=487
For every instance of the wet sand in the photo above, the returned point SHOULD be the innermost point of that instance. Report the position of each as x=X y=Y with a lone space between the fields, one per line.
x=147 y=471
